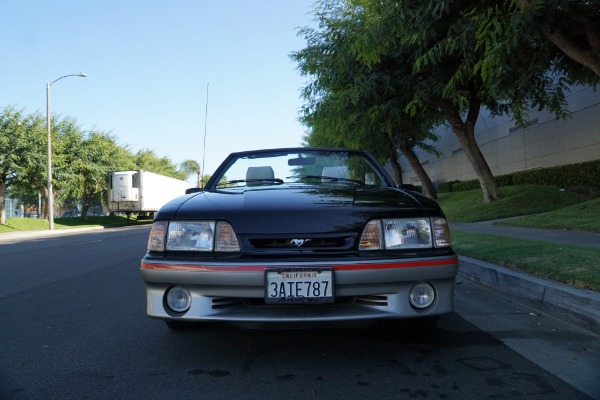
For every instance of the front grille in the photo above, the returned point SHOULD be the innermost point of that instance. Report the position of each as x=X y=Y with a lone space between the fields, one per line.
x=301 y=243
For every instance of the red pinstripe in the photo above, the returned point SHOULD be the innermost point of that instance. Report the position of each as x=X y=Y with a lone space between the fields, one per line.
x=337 y=267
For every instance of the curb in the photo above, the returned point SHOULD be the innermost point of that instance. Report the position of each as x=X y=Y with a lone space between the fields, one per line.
x=10 y=237
x=578 y=306
x=20 y=235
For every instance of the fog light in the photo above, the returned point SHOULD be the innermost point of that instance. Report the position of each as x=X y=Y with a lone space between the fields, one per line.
x=421 y=295
x=179 y=299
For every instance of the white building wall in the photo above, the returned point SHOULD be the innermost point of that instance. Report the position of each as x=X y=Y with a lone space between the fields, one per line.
x=507 y=148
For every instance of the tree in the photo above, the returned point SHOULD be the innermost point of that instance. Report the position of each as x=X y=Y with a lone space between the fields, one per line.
x=67 y=150
x=352 y=104
x=437 y=39
x=147 y=160
x=572 y=26
x=513 y=31
x=20 y=144
x=433 y=39
x=383 y=144
x=80 y=161
x=99 y=155
x=190 y=167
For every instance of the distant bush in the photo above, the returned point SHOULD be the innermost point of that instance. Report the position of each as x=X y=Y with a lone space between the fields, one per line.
x=582 y=174
x=466 y=185
x=446 y=187
x=504 y=180
x=586 y=174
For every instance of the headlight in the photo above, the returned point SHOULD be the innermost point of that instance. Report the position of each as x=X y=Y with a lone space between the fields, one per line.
x=204 y=236
x=405 y=233
x=191 y=235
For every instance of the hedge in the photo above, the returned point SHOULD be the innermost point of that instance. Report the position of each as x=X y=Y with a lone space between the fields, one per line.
x=586 y=174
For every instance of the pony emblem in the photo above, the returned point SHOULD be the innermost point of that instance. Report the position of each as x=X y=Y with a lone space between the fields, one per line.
x=299 y=242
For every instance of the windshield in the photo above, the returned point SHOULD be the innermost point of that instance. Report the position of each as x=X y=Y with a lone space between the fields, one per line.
x=301 y=167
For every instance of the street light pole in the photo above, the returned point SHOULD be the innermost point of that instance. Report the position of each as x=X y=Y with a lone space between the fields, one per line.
x=49 y=149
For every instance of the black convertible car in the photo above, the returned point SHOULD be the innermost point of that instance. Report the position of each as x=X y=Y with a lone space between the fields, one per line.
x=299 y=235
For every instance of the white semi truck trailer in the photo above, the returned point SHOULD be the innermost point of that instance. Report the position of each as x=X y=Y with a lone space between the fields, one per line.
x=142 y=191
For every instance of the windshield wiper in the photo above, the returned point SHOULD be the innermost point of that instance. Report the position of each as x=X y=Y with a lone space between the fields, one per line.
x=329 y=178
x=265 y=180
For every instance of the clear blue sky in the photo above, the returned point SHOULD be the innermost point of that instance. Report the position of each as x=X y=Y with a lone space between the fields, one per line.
x=149 y=63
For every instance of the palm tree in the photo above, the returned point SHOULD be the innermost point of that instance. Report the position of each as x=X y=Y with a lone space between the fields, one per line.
x=192 y=167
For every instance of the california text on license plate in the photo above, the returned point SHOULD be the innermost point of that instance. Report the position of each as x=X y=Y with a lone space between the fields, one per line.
x=299 y=285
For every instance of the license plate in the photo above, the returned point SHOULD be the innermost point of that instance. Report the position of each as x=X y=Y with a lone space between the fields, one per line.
x=299 y=285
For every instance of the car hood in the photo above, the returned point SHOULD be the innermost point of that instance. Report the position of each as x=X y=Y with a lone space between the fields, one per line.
x=294 y=210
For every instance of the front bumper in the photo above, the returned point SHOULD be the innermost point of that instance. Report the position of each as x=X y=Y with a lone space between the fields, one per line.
x=364 y=290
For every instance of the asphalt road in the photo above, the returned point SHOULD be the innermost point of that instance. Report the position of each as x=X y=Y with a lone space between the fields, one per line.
x=74 y=327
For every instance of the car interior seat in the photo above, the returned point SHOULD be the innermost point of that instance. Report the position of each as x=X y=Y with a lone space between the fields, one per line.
x=256 y=176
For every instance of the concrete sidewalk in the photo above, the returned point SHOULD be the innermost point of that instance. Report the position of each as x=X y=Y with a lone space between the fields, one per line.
x=576 y=238
x=16 y=236
x=581 y=307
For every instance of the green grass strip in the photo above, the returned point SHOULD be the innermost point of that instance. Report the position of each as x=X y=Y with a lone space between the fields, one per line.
x=516 y=201
x=28 y=224
x=572 y=265
x=582 y=217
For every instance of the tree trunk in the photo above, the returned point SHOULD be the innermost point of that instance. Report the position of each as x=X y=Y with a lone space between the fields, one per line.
x=588 y=57
x=465 y=132
x=45 y=208
x=426 y=184
x=2 y=202
x=86 y=200
x=84 y=210
x=396 y=166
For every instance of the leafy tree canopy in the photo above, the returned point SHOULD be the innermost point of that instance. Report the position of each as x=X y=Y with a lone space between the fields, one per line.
x=147 y=160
